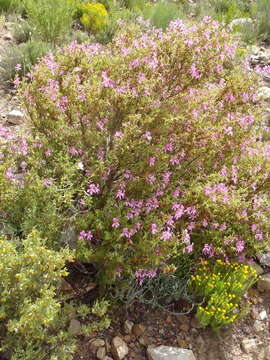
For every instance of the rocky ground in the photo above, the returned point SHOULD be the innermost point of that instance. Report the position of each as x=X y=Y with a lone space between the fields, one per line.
x=139 y=333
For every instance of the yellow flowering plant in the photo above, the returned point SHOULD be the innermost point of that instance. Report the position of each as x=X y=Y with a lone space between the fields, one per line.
x=94 y=16
x=221 y=286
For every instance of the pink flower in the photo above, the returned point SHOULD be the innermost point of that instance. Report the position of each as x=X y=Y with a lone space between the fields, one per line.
x=194 y=72
x=106 y=81
x=119 y=134
x=93 y=189
x=142 y=274
x=259 y=236
x=17 y=81
x=240 y=246
x=166 y=235
x=115 y=223
x=188 y=249
x=120 y=194
x=223 y=227
x=47 y=182
x=152 y=161
x=10 y=175
x=208 y=250
x=48 y=152
x=86 y=235
x=223 y=171
x=186 y=237
x=205 y=223
x=126 y=233
x=18 y=67
x=179 y=212
x=148 y=135
x=254 y=227
x=154 y=229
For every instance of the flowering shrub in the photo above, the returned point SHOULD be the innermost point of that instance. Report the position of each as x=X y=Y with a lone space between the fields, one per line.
x=147 y=147
x=94 y=16
x=30 y=315
x=222 y=286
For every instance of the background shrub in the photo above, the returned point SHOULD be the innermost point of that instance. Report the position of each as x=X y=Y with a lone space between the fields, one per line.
x=4 y=5
x=262 y=9
x=146 y=155
x=51 y=19
x=22 y=31
x=25 y=55
x=161 y=14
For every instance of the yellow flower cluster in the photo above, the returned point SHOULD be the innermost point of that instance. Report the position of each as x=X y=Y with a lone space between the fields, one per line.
x=94 y=16
x=221 y=284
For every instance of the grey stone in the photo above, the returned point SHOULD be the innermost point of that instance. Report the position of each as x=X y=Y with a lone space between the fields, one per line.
x=264 y=282
x=69 y=237
x=169 y=353
x=265 y=259
x=119 y=348
x=96 y=343
x=101 y=353
x=258 y=326
x=15 y=117
x=144 y=340
x=74 y=327
x=128 y=325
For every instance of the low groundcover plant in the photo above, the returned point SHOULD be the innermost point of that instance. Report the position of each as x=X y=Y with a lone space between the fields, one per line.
x=221 y=286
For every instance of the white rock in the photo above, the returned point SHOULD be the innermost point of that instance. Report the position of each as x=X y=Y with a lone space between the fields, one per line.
x=119 y=348
x=80 y=166
x=169 y=353
x=263 y=315
x=249 y=345
x=15 y=117
x=241 y=21
x=263 y=93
